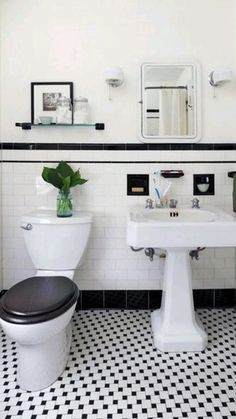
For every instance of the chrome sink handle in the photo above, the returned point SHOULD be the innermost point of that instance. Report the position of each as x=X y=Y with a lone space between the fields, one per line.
x=195 y=203
x=149 y=203
x=173 y=203
x=27 y=227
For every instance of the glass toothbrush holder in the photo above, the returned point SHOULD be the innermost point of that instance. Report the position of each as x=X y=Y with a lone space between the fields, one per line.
x=161 y=203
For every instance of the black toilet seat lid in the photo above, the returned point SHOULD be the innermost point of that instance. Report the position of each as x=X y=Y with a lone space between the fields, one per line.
x=38 y=295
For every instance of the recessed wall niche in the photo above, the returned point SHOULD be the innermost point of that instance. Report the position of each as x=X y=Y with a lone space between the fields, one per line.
x=204 y=184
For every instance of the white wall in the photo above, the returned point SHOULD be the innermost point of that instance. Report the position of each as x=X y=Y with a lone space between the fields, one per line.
x=76 y=40
x=110 y=264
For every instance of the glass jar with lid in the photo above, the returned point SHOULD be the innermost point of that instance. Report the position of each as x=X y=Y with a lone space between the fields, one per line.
x=81 y=114
x=64 y=110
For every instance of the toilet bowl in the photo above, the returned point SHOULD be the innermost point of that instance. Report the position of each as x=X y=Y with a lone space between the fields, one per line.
x=37 y=311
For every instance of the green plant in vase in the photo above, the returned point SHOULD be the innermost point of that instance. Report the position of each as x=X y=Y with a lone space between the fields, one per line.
x=63 y=177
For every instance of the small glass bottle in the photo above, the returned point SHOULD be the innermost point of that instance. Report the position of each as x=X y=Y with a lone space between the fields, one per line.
x=64 y=110
x=81 y=115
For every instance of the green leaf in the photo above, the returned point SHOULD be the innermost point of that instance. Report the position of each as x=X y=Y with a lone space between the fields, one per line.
x=66 y=183
x=77 y=180
x=64 y=169
x=51 y=176
x=63 y=176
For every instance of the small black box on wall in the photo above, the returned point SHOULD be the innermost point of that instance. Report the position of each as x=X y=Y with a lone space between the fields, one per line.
x=204 y=184
x=137 y=184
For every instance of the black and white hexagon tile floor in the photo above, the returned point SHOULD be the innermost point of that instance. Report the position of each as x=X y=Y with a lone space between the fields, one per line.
x=115 y=372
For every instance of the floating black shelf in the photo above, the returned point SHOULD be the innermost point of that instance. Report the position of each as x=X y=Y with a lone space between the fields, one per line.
x=27 y=125
x=172 y=173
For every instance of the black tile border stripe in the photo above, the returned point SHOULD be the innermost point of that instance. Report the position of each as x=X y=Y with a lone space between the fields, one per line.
x=125 y=161
x=150 y=299
x=119 y=146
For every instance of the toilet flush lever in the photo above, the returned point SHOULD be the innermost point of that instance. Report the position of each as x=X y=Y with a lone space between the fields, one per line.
x=27 y=227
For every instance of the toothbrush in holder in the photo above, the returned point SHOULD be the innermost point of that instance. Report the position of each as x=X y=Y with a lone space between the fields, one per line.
x=158 y=202
x=157 y=192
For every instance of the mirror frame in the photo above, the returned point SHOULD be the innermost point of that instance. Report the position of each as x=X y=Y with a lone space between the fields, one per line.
x=197 y=106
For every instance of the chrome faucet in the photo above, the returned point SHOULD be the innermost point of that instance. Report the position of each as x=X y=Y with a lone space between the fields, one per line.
x=173 y=203
x=149 y=203
x=195 y=203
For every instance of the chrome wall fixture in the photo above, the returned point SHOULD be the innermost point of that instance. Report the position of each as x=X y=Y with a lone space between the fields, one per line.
x=220 y=76
x=114 y=77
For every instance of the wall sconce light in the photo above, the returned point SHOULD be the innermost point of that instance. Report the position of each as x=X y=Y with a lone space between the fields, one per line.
x=114 y=77
x=220 y=76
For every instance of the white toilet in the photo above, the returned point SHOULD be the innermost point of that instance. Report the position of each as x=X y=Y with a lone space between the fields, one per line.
x=36 y=312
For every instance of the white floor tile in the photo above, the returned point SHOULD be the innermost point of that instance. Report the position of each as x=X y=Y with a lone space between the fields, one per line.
x=114 y=372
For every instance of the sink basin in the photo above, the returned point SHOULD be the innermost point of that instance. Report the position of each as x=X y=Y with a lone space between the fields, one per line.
x=192 y=227
x=175 y=325
x=174 y=215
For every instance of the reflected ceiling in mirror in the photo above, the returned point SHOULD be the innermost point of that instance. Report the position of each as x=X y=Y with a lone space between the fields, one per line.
x=170 y=102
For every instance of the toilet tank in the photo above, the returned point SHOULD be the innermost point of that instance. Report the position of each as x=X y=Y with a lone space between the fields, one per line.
x=55 y=243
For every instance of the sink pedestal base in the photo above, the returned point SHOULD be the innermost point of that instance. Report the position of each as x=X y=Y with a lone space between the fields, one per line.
x=175 y=326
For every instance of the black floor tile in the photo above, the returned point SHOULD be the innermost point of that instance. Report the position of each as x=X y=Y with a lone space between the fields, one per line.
x=114 y=371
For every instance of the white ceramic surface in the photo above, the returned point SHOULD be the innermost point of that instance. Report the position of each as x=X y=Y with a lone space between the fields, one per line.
x=56 y=246
x=184 y=215
x=175 y=325
x=210 y=227
x=68 y=274
x=49 y=216
x=55 y=243
x=43 y=350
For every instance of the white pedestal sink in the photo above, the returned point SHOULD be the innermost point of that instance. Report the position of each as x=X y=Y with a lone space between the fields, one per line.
x=176 y=326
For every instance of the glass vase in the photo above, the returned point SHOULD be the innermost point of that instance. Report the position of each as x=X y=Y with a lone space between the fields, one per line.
x=64 y=203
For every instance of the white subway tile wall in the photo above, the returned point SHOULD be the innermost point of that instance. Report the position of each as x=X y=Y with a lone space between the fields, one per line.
x=110 y=264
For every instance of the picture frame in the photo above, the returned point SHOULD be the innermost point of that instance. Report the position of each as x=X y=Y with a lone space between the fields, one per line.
x=44 y=96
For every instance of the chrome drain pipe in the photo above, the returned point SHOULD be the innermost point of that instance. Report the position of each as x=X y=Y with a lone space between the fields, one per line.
x=136 y=249
x=194 y=254
x=150 y=252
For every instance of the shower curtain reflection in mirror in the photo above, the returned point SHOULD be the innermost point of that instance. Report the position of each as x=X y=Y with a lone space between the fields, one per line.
x=173 y=115
x=170 y=102
x=167 y=111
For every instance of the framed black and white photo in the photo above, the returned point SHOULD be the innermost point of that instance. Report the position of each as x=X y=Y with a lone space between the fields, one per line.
x=44 y=97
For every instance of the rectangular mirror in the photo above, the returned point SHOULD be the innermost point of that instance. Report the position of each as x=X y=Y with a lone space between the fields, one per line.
x=170 y=102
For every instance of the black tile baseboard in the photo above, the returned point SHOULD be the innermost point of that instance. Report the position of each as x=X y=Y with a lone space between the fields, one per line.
x=203 y=298
x=137 y=299
x=225 y=298
x=155 y=297
x=115 y=299
x=151 y=299
x=91 y=299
